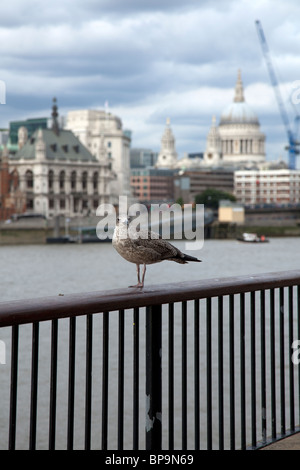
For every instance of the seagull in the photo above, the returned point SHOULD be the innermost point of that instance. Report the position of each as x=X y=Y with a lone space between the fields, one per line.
x=144 y=247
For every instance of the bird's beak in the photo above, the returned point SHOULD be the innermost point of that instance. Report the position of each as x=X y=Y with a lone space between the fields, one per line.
x=124 y=221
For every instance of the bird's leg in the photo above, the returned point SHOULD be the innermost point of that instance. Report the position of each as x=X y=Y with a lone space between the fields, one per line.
x=138 y=273
x=139 y=284
x=143 y=276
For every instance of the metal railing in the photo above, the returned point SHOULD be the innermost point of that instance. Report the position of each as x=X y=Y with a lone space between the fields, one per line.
x=192 y=365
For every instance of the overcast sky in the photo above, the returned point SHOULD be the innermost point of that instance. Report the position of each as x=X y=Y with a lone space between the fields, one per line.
x=149 y=59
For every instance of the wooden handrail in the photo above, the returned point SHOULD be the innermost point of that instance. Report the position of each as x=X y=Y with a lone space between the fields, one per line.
x=69 y=305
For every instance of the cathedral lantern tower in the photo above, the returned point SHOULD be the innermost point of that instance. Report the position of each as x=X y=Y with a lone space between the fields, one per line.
x=213 y=152
x=167 y=157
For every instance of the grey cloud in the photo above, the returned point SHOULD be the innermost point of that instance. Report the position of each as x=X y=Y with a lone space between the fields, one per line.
x=134 y=52
x=38 y=13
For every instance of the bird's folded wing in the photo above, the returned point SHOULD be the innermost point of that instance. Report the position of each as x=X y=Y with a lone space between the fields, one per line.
x=155 y=247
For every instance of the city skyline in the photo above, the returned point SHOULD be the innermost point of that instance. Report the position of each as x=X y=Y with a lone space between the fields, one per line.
x=149 y=61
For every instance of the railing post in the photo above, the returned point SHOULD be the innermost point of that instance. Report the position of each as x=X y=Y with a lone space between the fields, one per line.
x=153 y=378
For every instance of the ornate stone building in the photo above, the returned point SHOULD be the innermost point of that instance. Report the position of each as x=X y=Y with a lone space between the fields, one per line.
x=12 y=200
x=238 y=140
x=239 y=128
x=102 y=134
x=58 y=174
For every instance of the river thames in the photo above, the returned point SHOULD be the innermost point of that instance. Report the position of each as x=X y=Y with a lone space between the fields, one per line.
x=51 y=270
x=43 y=270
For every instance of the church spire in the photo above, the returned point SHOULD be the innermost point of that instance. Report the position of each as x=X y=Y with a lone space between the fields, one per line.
x=55 y=125
x=167 y=157
x=239 y=90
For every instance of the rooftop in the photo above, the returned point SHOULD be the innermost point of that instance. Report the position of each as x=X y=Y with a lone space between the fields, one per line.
x=62 y=146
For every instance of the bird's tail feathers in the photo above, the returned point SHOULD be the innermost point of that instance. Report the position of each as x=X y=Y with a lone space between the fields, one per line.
x=190 y=258
x=182 y=258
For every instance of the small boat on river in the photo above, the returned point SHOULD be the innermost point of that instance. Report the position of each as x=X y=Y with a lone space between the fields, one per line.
x=252 y=238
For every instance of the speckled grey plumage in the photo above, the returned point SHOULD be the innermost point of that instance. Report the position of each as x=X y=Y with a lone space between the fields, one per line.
x=145 y=247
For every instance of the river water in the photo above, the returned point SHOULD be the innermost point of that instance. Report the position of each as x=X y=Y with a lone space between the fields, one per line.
x=49 y=270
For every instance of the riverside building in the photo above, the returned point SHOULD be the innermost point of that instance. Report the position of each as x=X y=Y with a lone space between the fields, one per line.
x=102 y=134
x=280 y=186
x=57 y=174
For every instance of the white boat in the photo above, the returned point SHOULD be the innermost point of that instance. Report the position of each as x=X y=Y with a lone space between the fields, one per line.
x=252 y=238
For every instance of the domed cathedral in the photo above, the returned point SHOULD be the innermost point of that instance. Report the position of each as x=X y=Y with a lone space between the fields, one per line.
x=167 y=157
x=239 y=129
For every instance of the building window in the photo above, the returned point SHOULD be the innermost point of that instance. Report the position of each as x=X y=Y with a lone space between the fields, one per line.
x=84 y=180
x=62 y=204
x=109 y=144
x=29 y=179
x=76 y=204
x=29 y=204
x=62 y=177
x=73 y=180
x=95 y=181
x=50 y=180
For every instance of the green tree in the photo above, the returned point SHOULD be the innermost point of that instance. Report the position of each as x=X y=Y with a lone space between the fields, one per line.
x=180 y=201
x=211 y=197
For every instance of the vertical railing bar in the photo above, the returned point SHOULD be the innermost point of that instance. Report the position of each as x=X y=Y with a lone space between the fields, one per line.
x=184 y=374
x=13 y=387
x=282 y=366
x=105 y=368
x=298 y=335
x=253 y=369
x=53 y=384
x=71 y=389
x=154 y=378
x=34 y=385
x=263 y=365
x=135 y=378
x=242 y=371
x=273 y=362
x=171 y=376
x=221 y=372
x=88 y=381
x=121 y=382
x=209 y=373
x=291 y=365
x=197 y=373
x=231 y=372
